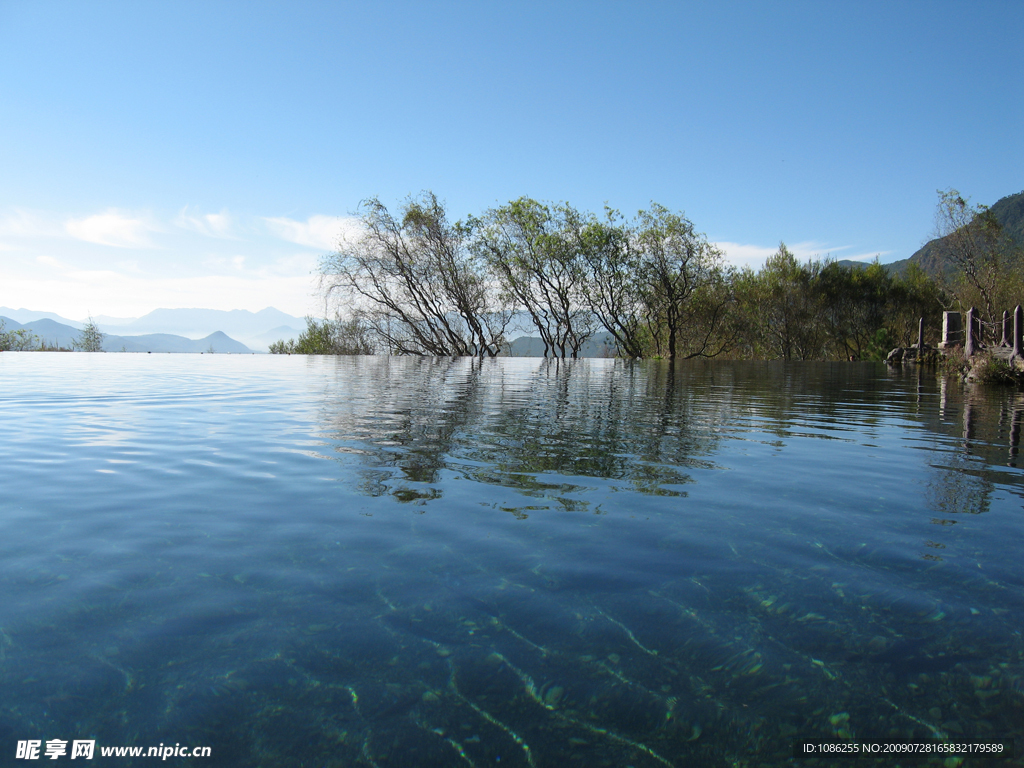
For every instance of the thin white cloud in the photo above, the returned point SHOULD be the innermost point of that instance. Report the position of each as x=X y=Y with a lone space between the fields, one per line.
x=321 y=232
x=220 y=225
x=76 y=293
x=294 y=264
x=291 y=265
x=130 y=265
x=50 y=261
x=744 y=255
x=22 y=223
x=812 y=249
x=114 y=228
x=754 y=256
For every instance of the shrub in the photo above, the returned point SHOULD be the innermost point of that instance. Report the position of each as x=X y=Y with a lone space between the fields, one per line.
x=988 y=369
x=327 y=337
x=17 y=341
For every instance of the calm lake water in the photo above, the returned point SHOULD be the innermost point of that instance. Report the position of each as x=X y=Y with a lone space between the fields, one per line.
x=401 y=562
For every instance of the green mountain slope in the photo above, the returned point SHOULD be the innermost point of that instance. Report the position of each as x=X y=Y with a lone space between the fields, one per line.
x=1008 y=211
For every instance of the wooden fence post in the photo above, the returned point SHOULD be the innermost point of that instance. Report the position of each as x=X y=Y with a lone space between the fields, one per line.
x=1005 y=341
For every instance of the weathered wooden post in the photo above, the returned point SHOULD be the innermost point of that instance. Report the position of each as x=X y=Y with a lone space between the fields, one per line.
x=920 y=337
x=969 y=329
x=1005 y=341
x=1018 y=329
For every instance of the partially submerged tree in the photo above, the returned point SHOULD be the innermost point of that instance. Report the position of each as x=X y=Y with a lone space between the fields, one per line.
x=614 y=287
x=822 y=310
x=415 y=283
x=419 y=284
x=655 y=285
x=684 y=286
x=532 y=250
x=854 y=304
x=90 y=338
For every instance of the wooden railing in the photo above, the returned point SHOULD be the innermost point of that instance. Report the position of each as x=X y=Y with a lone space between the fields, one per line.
x=972 y=332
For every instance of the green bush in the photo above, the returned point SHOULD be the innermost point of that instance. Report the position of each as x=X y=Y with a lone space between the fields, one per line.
x=327 y=337
x=90 y=338
x=988 y=369
x=984 y=368
x=17 y=341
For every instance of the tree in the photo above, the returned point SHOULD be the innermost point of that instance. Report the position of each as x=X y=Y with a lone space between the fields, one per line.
x=918 y=296
x=328 y=337
x=684 y=286
x=531 y=249
x=826 y=310
x=854 y=304
x=416 y=284
x=17 y=341
x=972 y=240
x=787 y=307
x=90 y=338
x=614 y=286
x=655 y=284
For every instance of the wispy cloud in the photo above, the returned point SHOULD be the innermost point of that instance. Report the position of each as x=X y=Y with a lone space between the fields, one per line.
x=76 y=292
x=114 y=228
x=220 y=225
x=22 y=223
x=754 y=256
x=744 y=255
x=48 y=260
x=321 y=232
x=291 y=265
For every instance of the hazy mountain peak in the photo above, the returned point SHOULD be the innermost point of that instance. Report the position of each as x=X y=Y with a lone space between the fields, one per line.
x=198 y=323
x=23 y=316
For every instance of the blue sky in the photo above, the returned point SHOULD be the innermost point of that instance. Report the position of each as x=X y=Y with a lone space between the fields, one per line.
x=205 y=154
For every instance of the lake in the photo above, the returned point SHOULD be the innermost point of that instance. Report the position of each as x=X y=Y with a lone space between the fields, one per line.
x=517 y=562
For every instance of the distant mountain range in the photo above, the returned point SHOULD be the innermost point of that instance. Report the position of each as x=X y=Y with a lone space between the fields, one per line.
x=179 y=330
x=29 y=315
x=55 y=334
x=601 y=345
